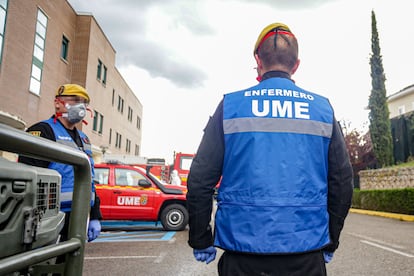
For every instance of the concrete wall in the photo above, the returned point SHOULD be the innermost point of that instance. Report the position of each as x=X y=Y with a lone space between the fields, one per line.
x=389 y=178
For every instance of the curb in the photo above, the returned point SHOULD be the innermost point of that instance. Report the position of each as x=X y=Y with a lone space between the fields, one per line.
x=402 y=217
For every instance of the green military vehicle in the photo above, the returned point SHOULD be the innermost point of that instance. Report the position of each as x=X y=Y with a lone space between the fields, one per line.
x=29 y=200
x=30 y=216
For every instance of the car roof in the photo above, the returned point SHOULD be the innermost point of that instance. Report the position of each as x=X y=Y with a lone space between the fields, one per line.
x=121 y=166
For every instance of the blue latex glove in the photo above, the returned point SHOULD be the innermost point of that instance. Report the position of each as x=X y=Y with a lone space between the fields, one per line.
x=205 y=255
x=327 y=256
x=94 y=229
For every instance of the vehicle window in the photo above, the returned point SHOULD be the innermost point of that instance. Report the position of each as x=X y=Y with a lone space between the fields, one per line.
x=102 y=175
x=185 y=162
x=126 y=177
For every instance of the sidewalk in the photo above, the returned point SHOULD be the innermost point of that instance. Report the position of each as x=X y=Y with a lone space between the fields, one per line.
x=402 y=217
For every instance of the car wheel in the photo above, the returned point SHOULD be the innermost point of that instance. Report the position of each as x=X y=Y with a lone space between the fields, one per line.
x=174 y=217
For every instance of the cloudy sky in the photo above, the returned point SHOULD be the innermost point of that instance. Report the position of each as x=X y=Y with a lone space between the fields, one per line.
x=181 y=56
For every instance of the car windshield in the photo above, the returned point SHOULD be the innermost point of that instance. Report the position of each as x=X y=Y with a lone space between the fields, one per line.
x=155 y=179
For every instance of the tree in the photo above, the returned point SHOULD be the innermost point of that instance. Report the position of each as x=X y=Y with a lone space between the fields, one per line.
x=360 y=150
x=380 y=125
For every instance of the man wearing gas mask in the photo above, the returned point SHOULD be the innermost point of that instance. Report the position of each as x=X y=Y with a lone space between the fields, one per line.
x=71 y=103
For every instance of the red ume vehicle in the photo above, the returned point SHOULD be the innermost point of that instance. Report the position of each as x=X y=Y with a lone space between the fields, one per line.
x=132 y=193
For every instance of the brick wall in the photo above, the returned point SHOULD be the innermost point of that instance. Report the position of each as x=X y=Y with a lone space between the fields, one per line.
x=389 y=178
x=87 y=44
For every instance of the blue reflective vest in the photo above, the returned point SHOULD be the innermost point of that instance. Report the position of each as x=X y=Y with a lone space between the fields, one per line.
x=66 y=171
x=273 y=193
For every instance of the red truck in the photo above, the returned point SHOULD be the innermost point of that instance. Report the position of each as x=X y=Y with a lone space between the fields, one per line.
x=133 y=193
x=158 y=167
x=182 y=163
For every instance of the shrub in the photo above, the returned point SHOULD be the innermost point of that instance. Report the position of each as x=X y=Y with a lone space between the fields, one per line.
x=392 y=200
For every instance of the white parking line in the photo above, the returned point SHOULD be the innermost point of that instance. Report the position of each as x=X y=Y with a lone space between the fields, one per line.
x=160 y=258
x=393 y=245
x=119 y=257
x=388 y=249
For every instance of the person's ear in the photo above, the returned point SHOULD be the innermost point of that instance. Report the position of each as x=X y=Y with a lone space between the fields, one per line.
x=259 y=67
x=258 y=61
x=58 y=103
x=295 y=67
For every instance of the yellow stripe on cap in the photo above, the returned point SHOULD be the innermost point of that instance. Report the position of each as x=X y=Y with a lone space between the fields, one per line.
x=268 y=29
x=72 y=90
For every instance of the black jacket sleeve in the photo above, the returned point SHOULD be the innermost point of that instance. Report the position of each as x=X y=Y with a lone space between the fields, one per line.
x=340 y=185
x=40 y=129
x=205 y=173
x=96 y=209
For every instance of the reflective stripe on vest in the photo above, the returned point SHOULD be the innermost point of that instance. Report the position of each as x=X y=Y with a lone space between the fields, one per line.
x=258 y=124
x=67 y=196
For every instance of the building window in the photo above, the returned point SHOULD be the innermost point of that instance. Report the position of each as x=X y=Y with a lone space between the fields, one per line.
x=97 y=122
x=128 y=146
x=113 y=97
x=136 y=150
x=130 y=112
x=110 y=136
x=3 y=15
x=138 y=122
x=120 y=104
x=101 y=119
x=118 y=140
x=104 y=75
x=38 y=52
x=401 y=110
x=65 y=48
x=99 y=70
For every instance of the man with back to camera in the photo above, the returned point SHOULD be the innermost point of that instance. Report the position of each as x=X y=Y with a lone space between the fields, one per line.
x=287 y=181
x=70 y=103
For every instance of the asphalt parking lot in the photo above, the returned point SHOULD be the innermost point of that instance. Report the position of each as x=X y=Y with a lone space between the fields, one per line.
x=370 y=245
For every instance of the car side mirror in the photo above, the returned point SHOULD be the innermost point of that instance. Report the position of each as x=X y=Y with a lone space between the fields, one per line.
x=144 y=183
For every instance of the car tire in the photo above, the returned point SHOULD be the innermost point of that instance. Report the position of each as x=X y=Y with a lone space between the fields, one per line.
x=174 y=217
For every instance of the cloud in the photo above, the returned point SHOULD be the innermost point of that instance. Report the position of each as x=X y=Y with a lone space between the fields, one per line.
x=125 y=23
x=158 y=61
x=291 y=5
x=190 y=15
x=216 y=57
x=129 y=24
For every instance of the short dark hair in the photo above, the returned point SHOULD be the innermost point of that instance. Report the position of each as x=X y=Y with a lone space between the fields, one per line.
x=279 y=50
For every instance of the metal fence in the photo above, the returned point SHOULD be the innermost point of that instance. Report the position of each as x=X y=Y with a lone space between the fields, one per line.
x=402 y=129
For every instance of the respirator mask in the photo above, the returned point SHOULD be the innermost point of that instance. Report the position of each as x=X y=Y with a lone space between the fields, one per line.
x=75 y=113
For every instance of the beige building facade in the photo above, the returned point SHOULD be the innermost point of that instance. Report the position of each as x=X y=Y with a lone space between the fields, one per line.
x=44 y=44
x=401 y=102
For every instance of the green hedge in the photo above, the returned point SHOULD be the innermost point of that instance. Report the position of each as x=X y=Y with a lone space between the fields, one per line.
x=393 y=200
